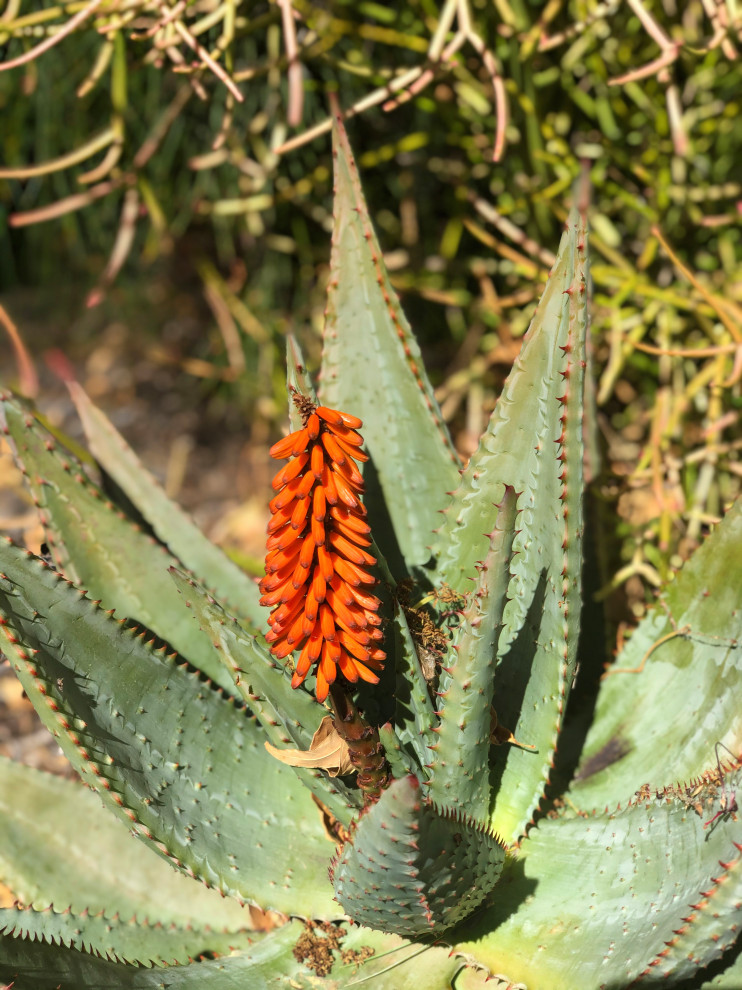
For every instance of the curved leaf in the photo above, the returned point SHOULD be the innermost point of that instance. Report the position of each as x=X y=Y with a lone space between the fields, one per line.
x=284 y=713
x=100 y=548
x=599 y=901
x=534 y=444
x=460 y=772
x=173 y=527
x=687 y=696
x=175 y=758
x=130 y=941
x=372 y=368
x=412 y=868
x=60 y=846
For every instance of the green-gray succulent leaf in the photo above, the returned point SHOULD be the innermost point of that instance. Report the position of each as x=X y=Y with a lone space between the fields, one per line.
x=61 y=846
x=174 y=757
x=98 y=547
x=173 y=527
x=127 y=940
x=614 y=897
x=289 y=717
x=686 y=696
x=534 y=444
x=372 y=368
x=460 y=771
x=413 y=869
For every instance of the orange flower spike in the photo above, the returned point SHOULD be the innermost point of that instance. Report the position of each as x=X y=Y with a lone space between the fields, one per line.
x=369 y=602
x=350 y=572
x=359 y=635
x=304 y=663
x=335 y=418
x=281 y=518
x=319 y=586
x=351 y=534
x=316 y=639
x=322 y=688
x=306 y=485
x=333 y=448
x=287 y=494
x=326 y=567
x=343 y=489
x=313 y=426
x=318 y=532
x=365 y=674
x=327 y=622
x=319 y=505
x=331 y=416
x=282 y=539
x=347 y=518
x=299 y=576
x=299 y=515
x=311 y=609
x=277 y=559
x=296 y=633
x=292 y=469
x=287 y=612
x=318 y=461
x=342 y=589
x=349 y=550
x=350 y=474
x=346 y=435
x=329 y=486
x=319 y=606
x=307 y=551
x=348 y=668
x=272 y=581
x=284 y=448
x=352 y=616
x=355 y=452
x=301 y=442
x=353 y=646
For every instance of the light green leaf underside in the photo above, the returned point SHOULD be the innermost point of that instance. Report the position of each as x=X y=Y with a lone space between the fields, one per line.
x=60 y=846
x=129 y=940
x=396 y=964
x=687 y=697
x=289 y=717
x=173 y=527
x=533 y=443
x=372 y=368
x=145 y=730
x=99 y=548
x=592 y=902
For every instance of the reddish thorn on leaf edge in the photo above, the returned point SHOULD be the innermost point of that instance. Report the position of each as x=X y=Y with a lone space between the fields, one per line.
x=316 y=541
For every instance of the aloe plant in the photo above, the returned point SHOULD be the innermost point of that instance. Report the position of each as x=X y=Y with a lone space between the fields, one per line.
x=143 y=649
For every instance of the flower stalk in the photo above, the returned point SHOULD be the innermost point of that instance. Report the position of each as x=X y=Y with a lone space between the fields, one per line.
x=364 y=747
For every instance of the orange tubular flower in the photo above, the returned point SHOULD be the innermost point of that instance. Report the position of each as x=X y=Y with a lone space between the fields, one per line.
x=316 y=577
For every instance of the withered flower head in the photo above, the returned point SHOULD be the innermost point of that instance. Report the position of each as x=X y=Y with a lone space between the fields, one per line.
x=316 y=577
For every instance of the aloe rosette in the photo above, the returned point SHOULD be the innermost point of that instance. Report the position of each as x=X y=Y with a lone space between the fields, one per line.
x=395 y=821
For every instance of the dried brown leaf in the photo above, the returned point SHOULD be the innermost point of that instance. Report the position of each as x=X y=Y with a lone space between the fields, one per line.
x=327 y=751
